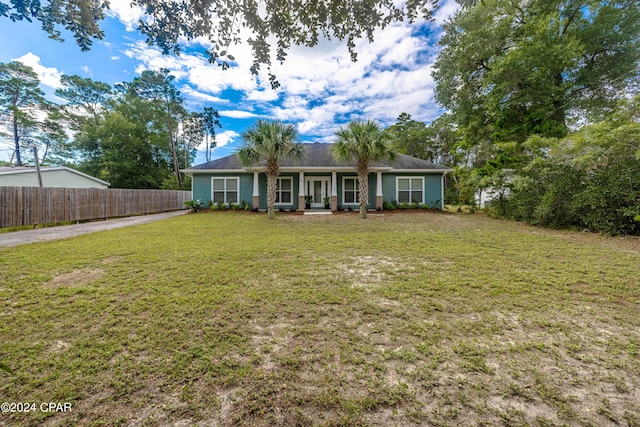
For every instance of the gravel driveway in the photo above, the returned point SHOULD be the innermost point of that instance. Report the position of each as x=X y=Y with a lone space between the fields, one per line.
x=15 y=238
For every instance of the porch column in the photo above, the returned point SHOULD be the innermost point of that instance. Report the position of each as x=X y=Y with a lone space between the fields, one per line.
x=301 y=192
x=256 y=191
x=442 y=183
x=334 y=191
x=379 y=201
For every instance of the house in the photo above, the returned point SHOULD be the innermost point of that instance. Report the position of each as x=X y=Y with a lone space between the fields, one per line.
x=320 y=176
x=52 y=176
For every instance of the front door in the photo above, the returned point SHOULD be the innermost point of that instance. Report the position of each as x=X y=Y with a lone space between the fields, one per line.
x=318 y=187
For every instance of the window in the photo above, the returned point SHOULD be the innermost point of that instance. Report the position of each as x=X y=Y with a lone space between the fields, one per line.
x=350 y=191
x=284 y=188
x=410 y=190
x=225 y=190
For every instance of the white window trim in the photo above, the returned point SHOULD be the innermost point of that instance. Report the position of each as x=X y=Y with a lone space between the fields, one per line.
x=280 y=178
x=344 y=178
x=226 y=178
x=421 y=178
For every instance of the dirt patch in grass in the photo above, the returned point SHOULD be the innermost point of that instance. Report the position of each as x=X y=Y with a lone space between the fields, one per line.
x=369 y=271
x=76 y=278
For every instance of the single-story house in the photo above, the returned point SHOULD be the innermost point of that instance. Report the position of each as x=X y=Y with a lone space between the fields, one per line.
x=319 y=175
x=52 y=176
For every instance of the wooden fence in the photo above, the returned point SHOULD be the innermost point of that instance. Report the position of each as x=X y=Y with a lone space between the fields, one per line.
x=32 y=205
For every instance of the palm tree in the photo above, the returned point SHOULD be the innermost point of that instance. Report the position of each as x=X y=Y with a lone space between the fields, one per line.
x=269 y=142
x=363 y=143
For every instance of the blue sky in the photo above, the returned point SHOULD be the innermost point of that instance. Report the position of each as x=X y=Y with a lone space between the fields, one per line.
x=321 y=89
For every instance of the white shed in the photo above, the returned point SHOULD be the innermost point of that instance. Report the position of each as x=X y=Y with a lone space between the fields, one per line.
x=52 y=176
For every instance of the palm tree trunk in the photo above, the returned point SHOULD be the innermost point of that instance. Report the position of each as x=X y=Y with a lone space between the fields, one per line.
x=363 y=179
x=272 y=174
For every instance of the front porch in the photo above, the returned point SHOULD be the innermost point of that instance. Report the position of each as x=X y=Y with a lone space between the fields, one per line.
x=319 y=191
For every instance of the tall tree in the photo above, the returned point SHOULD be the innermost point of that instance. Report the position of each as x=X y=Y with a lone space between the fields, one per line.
x=20 y=100
x=443 y=141
x=85 y=98
x=203 y=125
x=438 y=142
x=54 y=140
x=509 y=69
x=158 y=88
x=122 y=149
x=210 y=121
x=268 y=143
x=363 y=143
x=409 y=136
x=226 y=22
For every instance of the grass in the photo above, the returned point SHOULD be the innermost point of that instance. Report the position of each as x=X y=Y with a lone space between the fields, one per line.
x=404 y=319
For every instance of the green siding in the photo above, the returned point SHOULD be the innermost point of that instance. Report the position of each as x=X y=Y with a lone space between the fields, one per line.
x=262 y=185
x=433 y=190
x=432 y=187
x=388 y=187
x=201 y=185
x=373 y=179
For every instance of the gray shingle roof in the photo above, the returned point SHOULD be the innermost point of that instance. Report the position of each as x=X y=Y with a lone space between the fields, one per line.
x=319 y=155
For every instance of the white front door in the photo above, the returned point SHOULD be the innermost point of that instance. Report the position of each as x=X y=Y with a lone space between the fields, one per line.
x=318 y=187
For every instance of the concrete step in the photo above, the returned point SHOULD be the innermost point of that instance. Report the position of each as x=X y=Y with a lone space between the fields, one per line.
x=318 y=212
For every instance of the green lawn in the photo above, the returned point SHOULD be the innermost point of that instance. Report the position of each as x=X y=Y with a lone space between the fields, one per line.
x=403 y=319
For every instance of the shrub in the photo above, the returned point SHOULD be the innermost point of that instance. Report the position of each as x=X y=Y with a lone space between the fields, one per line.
x=194 y=205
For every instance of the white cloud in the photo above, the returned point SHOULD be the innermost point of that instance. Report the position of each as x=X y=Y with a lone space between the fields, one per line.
x=262 y=95
x=189 y=92
x=114 y=58
x=226 y=137
x=48 y=76
x=125 y=13
x=86 y=70
x=237 y=114
x=194 y=68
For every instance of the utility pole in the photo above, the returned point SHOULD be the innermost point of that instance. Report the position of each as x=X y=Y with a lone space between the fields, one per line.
x=35 y=155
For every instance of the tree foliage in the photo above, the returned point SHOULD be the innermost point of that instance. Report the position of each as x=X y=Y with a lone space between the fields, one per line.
x=22 y=106
x=166 y=103
x=588 y=180
x=85 y=99
x=207 y=122
x=509 y=69
x=437 y=142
